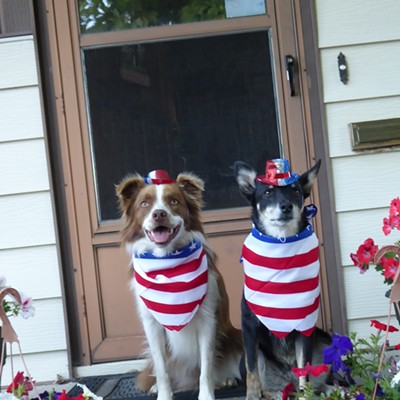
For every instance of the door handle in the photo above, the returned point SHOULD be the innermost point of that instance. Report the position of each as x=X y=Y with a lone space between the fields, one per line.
x=290 y=73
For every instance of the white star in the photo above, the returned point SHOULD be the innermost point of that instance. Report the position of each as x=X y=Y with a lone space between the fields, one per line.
x=176 y=253
x=193 y=246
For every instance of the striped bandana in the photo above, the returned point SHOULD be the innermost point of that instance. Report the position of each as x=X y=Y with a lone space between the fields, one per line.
x=282 y=281
x=172 y=287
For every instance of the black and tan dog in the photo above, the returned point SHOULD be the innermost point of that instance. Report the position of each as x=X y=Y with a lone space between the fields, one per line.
x=281 y=264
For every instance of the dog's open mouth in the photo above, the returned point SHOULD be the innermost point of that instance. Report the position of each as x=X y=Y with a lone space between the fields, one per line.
x=162 y=234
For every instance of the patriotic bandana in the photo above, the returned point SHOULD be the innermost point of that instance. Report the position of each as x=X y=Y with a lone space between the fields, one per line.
x=282 y=281
x=172 y=287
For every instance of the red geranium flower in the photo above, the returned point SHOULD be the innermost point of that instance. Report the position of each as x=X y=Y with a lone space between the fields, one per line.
x=309 y=369
x=357 y=263
x=383 y=327
x=389 y=265
x=394 y=207
x=366 y=251
x=20 y=382
x=393 y=222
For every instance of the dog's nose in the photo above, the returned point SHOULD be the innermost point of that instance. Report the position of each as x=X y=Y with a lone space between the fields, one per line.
x=159 y=215
x=286 y=208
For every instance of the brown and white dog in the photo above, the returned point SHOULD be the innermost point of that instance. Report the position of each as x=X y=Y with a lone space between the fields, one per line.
x=184 y=308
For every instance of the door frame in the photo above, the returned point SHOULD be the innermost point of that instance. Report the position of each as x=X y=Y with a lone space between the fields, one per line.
x=59 y=55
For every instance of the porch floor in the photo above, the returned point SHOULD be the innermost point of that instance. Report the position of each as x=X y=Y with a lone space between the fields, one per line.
x=122 y=387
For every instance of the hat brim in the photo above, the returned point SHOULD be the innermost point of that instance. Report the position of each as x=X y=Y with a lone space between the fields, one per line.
x=278 y=182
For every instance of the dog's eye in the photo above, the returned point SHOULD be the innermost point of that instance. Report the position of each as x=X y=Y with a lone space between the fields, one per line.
x=267 y=193
x=174 y=202
x=144 y=203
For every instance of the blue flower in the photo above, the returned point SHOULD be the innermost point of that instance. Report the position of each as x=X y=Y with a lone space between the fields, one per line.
x=341 y=345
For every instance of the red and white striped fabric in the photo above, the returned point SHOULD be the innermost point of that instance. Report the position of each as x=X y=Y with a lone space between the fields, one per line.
x=172 y=287
x=282 y=281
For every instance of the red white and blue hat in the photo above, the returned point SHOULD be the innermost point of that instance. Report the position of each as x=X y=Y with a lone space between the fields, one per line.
x=277 y=173
x=158 y=177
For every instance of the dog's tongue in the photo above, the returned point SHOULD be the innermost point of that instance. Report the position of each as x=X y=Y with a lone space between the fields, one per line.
x=160 y=235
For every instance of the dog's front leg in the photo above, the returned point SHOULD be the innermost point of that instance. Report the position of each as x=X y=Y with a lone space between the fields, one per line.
x=206 y=340
x=155 y=334
x=250 y=342
x=304 y=349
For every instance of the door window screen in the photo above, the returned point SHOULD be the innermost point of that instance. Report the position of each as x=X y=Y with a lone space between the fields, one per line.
x=187 y=105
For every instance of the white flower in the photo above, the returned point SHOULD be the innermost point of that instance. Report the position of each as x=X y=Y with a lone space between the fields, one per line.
x=27 y=308
x=88 y=394
x=395 y=380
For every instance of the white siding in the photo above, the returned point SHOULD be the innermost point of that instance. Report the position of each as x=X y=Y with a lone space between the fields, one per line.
x=28 y=252
x=20 y=114
x=344 y=22
x=367 y=32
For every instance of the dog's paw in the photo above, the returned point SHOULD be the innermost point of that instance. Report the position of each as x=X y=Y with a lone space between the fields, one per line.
x=154 y=389
x=272 y=395
x=166 y=395
x=253 y=396
x=228 y=383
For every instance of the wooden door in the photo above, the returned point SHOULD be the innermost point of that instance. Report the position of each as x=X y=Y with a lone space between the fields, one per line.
x=174 y=95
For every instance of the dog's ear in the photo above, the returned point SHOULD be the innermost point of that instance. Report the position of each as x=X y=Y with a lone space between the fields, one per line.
x=307 y=179
x=245 y=177
x=128 y=189
x=192 y=185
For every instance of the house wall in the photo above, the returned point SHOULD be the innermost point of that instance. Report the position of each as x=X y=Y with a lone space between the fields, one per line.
x=367 y=32
x=28 y=252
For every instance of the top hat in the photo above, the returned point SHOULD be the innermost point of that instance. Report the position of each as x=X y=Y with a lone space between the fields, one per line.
x=277 y=173
x=158 y=177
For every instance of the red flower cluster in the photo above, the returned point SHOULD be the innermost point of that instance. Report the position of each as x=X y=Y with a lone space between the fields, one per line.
x=364 y=254
x=393 y=221
x=389 y=263
x=20 y=383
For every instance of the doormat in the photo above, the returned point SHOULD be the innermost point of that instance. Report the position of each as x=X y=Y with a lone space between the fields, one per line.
x=122 y=387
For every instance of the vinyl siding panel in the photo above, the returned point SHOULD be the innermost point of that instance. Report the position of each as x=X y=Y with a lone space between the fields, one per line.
x=26 y=220
x=358 y=285
x=17 y=62
x=44 y=367
x=356 y=226
x=363 y=328
x=343 y=22
x=28 y=248
x=373 y=72
x=340 y=115
x=364 y=182
x=26 y=166
x=20 y=114
x=28 y=266
x=48 y=322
